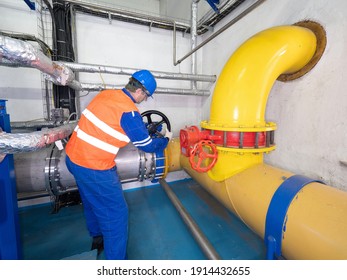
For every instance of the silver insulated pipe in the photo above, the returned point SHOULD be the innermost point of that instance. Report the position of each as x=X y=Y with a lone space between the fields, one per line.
x=45 y=169
x=18 y=53
x=23 y=53
x=12 y=143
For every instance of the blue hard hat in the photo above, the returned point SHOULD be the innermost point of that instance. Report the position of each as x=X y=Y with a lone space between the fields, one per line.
x=147 y=80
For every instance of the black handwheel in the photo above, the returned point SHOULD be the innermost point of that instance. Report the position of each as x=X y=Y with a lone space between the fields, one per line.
x=154 y=121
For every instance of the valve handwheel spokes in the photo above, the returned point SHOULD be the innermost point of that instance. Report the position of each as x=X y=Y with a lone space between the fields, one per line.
x=206 y=153
x=154 y=121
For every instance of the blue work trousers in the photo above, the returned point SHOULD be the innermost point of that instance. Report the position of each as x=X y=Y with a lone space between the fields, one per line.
x=105 y=208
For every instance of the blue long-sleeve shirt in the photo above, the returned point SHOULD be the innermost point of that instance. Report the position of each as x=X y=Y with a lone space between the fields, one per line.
x=134 y=127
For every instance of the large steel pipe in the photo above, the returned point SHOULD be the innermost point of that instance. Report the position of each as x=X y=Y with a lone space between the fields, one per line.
x=45 y=169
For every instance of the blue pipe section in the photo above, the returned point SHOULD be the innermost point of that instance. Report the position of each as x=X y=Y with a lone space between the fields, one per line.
x=10 y=247
x=31 y=4
x=277 y=212
x=213 y=4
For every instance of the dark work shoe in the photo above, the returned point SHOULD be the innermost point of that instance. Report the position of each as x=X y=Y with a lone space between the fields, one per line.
x=98 y=243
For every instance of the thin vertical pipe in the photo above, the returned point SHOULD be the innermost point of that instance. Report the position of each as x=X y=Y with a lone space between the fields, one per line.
x=194 y=39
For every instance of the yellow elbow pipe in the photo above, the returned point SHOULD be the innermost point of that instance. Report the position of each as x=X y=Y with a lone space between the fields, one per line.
x=242 y=89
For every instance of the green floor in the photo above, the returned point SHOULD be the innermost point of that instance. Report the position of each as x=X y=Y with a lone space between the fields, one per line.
x=156 y=230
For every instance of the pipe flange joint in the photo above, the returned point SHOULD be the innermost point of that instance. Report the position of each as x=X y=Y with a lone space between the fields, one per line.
x=275 y=223
x=256 y=139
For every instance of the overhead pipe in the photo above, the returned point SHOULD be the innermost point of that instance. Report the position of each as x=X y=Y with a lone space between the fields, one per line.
x=18 y=53
x=197 y=92
x=217 y=33
x=94 y=68
x=177 y=91
x=91 y=68
x=298 y=217
x=24 y=53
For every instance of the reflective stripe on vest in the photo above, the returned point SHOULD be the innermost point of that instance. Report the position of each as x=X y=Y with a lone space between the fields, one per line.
x=105 y=127
x=96 y=142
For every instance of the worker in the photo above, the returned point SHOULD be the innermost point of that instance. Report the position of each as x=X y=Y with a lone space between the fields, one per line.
x=110 y=122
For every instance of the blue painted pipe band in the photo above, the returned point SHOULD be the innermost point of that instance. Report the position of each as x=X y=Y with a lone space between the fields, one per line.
x=159 y=166
x=277 y=211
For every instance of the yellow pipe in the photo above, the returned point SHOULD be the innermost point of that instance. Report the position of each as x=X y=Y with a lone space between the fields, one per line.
x=315 y=221
x=242 y=89
x=316 y=226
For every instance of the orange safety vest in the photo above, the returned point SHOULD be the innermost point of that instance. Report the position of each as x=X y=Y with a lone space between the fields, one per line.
x=98 y=136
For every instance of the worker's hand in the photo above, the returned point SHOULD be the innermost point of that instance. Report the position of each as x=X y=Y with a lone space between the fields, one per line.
x=168 y=134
